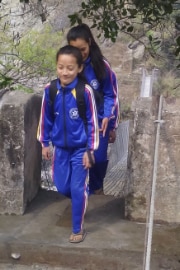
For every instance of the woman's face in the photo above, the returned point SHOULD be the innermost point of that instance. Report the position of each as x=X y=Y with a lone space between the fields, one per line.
x=67 y=68
x=82 y=45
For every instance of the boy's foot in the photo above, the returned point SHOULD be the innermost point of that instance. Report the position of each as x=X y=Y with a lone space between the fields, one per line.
x=77 y=237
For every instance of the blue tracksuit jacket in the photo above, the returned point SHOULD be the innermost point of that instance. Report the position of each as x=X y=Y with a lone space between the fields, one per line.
x=62 y=124
x=109 y=89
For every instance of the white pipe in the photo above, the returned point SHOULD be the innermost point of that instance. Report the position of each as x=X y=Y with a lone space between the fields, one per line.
x=151 y=212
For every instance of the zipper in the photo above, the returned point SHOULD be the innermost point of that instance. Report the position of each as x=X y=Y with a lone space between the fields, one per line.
x=64 y=119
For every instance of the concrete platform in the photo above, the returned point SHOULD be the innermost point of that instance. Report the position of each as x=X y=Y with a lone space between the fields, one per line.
x=41 y=235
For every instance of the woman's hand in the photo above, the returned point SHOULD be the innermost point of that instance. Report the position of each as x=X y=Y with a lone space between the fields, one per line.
x=86 y=160
x=112 y=136
x=46 y=153
x=104 y=126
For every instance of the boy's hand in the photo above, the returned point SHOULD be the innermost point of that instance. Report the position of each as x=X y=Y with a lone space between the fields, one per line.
x=87 y=161
x=46 y=154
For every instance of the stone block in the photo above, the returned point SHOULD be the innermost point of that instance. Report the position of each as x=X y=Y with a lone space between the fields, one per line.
x=20 y=156
x=142 y=150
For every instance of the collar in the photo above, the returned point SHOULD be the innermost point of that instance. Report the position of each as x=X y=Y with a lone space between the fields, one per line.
x=87 y=61
x=68 y=87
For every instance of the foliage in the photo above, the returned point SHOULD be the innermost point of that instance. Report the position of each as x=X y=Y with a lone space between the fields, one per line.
x=138 y=19
x=168 y=85
x=38 y=50
x=24 y=59
x=26 y=56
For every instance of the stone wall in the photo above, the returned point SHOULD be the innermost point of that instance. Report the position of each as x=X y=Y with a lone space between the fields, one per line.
x=168 y=188
x=20 y=153
x=142 y=146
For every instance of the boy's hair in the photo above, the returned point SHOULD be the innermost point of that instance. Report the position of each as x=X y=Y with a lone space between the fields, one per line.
x=68 y=49
x=83 y=31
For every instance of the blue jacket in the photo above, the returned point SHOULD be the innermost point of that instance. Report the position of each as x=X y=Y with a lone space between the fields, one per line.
x=109 y=89
x=62 y=124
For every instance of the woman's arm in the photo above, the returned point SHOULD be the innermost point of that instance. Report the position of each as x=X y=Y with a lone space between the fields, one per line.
x=111 y=97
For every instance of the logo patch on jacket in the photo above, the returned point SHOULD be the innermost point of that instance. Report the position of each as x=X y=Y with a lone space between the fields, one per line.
x=95 y=84
x=73 y=113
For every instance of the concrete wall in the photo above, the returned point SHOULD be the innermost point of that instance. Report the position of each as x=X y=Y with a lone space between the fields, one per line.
x=141 y=151
x=20 y=155
x=168 y=188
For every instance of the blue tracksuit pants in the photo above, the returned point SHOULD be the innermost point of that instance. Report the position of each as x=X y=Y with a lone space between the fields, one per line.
x=71 y=180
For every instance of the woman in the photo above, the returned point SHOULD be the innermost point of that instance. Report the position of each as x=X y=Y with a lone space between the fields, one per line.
x=102 y=79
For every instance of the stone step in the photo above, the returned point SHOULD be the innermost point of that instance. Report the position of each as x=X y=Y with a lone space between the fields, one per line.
x=41 y=235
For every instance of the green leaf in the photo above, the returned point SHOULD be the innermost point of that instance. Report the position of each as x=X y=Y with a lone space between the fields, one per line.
x=83 y=5
x=130 y=29
x=133 y=12
x=178 y=19
x=150 y=38
x=94 y=25
x=5 y=81
x=177 y=51
x=168 y=8
x=178 y=40
x=124 y=12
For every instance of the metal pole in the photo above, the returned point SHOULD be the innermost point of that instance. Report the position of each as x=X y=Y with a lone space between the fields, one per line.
x=151 y=212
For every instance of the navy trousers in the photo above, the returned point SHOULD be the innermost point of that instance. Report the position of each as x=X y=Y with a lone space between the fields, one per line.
x=98 y=171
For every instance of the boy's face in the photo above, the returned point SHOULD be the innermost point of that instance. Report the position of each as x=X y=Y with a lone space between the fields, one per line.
x=67 y=68
x=82 y=45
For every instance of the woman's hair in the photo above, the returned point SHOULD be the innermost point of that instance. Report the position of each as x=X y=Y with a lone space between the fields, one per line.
x=83 y=31
x=68 y=49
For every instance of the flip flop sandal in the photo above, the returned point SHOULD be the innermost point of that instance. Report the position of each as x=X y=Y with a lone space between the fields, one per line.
x=77 y=237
